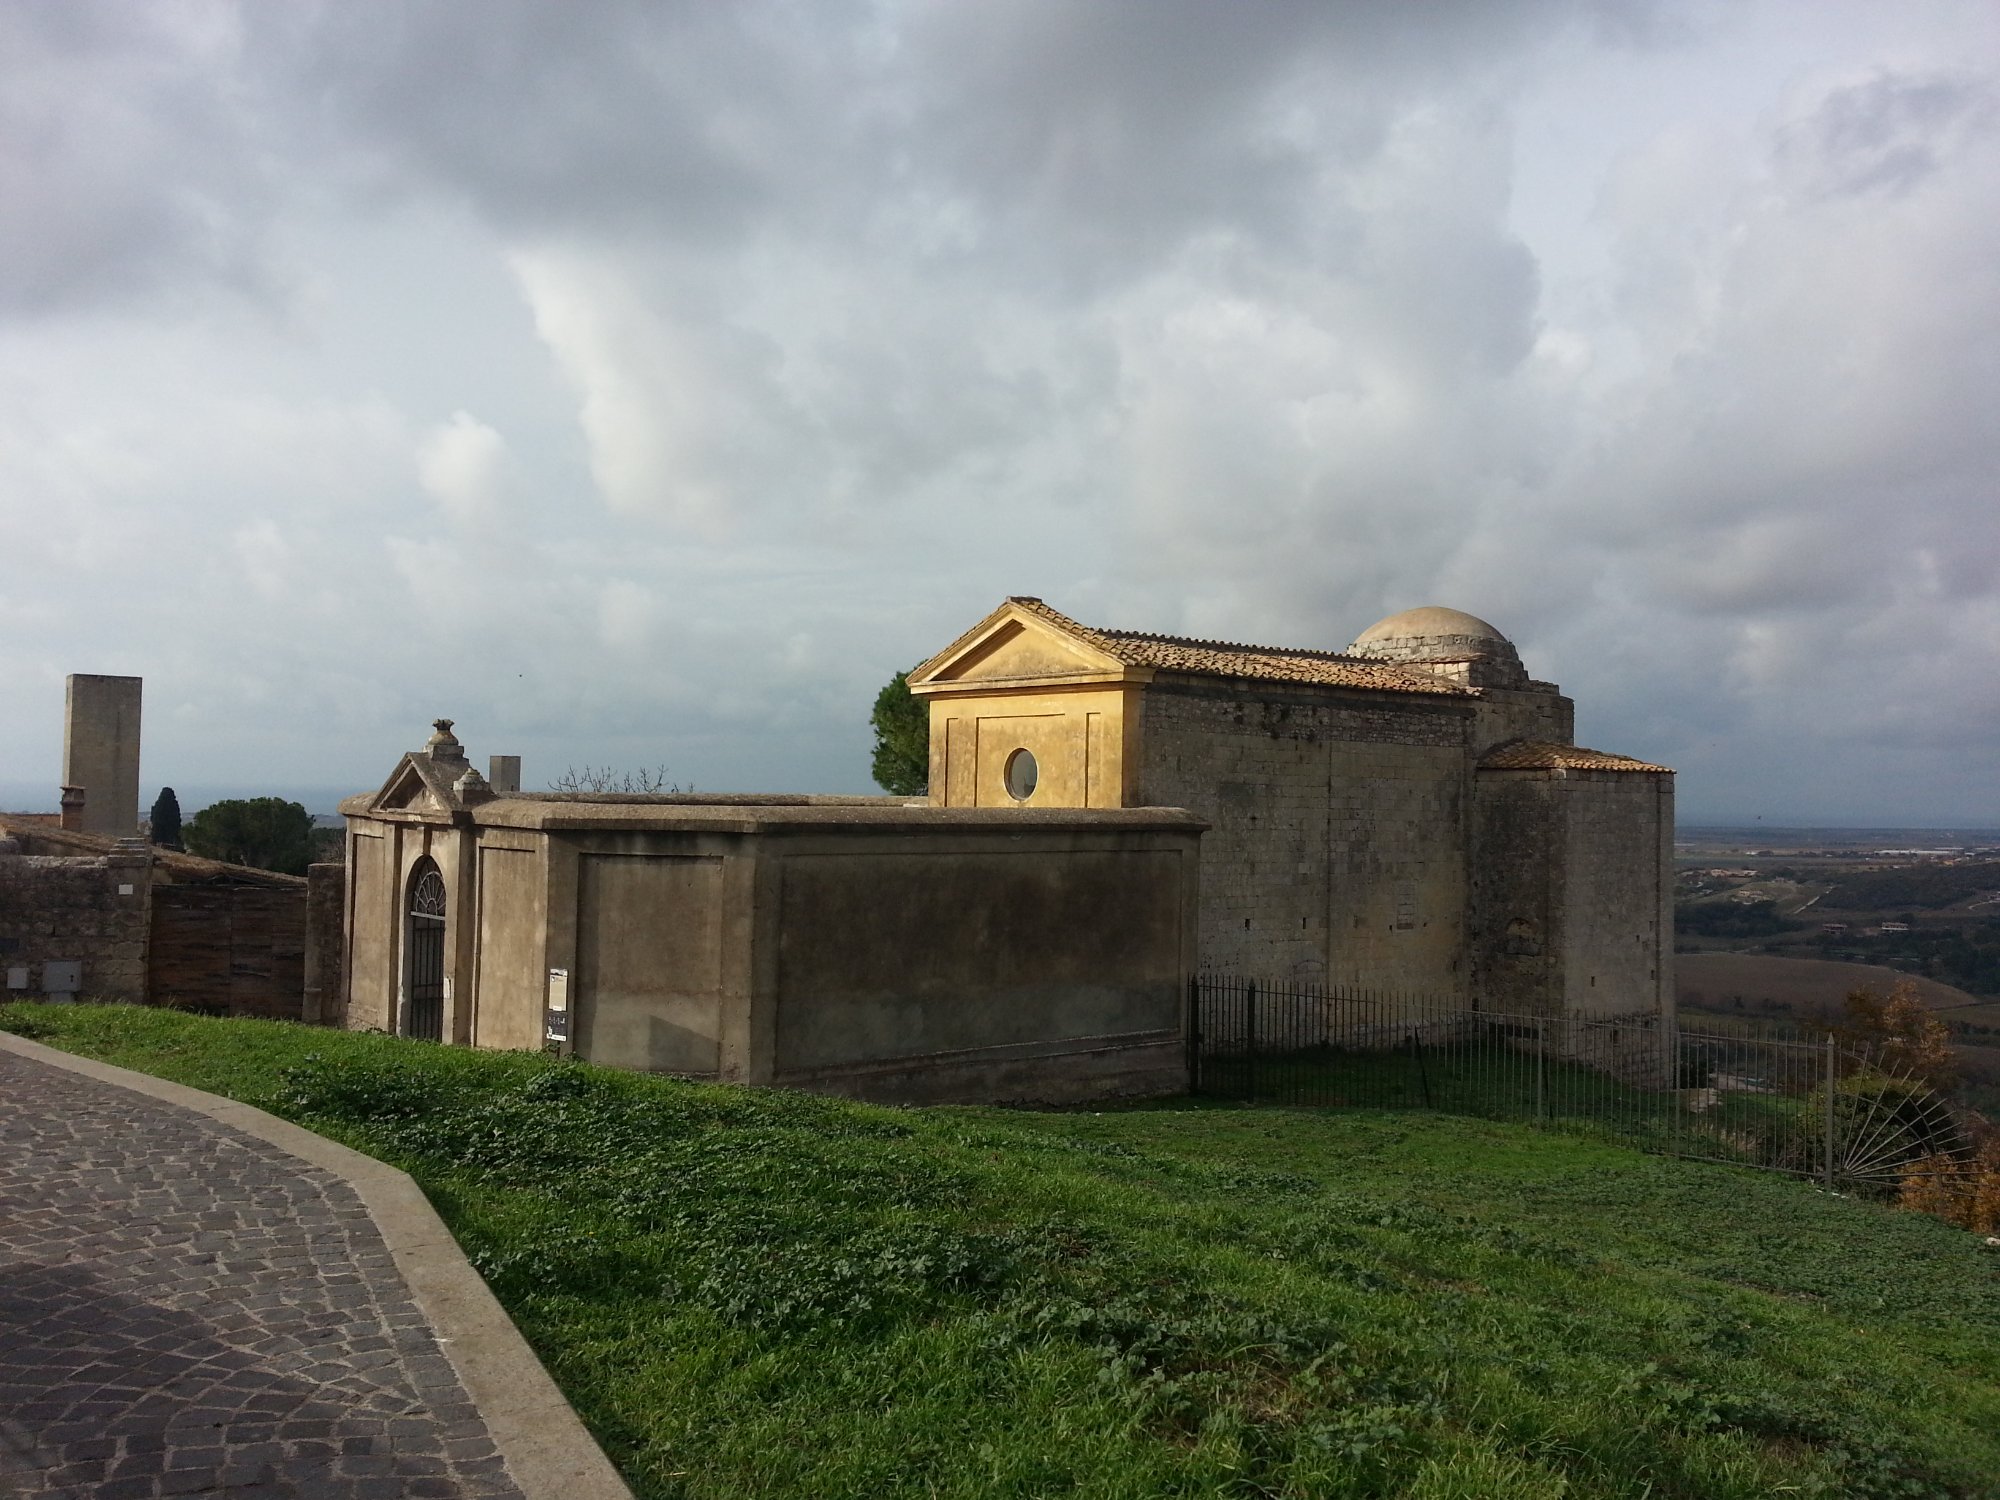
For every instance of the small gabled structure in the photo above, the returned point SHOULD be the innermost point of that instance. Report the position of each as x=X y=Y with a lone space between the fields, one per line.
x=858 y=944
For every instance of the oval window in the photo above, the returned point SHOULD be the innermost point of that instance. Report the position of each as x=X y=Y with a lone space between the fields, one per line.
x=1021 y=774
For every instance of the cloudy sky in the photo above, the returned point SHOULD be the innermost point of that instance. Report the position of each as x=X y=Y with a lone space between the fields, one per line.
x=645 y=383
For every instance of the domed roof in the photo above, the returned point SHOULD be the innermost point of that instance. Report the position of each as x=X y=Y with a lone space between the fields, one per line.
x=1430 y=623
x=1444 y=640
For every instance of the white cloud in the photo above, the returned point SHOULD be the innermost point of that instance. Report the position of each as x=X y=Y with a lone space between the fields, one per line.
x=465 y=466
x=779 y=342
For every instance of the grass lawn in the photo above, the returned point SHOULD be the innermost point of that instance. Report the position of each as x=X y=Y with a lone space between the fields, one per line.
x=774 y=1294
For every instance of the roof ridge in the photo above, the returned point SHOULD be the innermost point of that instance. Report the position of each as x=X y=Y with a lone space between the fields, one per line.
x=1180 y=653
x=1210 y=644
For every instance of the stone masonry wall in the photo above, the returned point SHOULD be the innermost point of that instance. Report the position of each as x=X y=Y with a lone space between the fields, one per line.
x=1572 y=892
x=1523 y=714
x=1337 y=842
x=326 y=943
x=91 y=911
x=1618 y=925
x=1517 y=926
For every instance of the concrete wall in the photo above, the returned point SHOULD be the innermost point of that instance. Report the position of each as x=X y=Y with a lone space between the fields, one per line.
x=90 y=911
x=649 y=959
x=874 y=949
x=1041 y=965
x=509 y=971
x=1337 y=849
x=101 y=750
x=372 y=927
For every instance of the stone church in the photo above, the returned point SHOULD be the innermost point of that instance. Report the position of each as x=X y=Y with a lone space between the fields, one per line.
x=1410 y=814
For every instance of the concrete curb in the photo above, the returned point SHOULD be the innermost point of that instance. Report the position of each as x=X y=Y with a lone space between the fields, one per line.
x=549 y=1452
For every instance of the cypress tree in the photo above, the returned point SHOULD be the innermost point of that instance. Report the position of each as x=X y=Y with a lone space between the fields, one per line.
x=167 y=819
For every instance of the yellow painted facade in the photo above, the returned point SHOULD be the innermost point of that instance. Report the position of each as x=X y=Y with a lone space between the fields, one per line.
x=1017 y=686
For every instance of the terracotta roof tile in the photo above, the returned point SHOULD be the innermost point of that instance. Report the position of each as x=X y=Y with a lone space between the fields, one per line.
x=1174 y=653
x=1532 y=755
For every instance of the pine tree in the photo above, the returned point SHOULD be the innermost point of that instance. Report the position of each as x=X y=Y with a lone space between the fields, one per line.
x=902 y=721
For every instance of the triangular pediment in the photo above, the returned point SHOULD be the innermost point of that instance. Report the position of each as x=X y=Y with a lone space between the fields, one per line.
x=407 y=791
x=1014 y=645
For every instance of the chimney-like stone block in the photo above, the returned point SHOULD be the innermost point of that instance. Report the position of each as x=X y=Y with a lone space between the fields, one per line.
x=503 y=773
x=101 y=750
x=73 y=804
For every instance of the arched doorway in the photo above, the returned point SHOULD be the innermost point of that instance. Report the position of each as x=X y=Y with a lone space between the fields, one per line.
x=423 y=945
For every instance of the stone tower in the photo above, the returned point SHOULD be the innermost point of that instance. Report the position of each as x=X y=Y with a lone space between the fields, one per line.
x=101 y=750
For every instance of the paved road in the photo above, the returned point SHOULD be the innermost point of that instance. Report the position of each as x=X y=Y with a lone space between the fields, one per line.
x=187 y=1310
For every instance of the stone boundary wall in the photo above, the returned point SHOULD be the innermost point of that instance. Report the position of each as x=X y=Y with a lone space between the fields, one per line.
x=229 y=950
x=326 y=943
x=89 y=911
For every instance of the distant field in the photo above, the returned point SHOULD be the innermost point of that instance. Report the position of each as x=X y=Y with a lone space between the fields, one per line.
x=1714 y=981
x=1801 y=989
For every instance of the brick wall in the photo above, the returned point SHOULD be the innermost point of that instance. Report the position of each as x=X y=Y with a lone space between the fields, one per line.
x=90 y=911
x=234 y=950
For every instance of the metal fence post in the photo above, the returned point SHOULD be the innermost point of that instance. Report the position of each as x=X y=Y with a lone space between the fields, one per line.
x=1541 y=1075
x=1194 y=1033
x=1829 y=1112
x=1250 y=1031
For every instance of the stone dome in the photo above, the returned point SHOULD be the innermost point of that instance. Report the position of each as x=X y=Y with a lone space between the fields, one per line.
x=1434 y=633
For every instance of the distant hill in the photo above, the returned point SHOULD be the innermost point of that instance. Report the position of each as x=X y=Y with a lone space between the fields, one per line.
x=1918 y=887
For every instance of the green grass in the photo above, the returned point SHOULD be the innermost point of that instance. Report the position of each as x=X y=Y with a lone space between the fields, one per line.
x=769 y=1293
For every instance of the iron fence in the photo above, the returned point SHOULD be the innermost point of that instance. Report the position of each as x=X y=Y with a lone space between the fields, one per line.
x=1787 y=1102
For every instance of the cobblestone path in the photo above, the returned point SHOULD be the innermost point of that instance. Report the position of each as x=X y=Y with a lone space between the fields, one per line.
x=185 y=1310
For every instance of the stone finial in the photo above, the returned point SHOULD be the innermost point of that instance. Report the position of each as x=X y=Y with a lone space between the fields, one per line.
x=443 y=745
x=472 y=787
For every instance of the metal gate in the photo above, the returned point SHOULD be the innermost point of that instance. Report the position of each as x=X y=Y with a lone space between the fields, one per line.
x=1789 y=1103
x=424 y=933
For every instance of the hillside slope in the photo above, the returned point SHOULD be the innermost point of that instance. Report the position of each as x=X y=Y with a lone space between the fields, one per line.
x=1807 y=987
x=751 y=1292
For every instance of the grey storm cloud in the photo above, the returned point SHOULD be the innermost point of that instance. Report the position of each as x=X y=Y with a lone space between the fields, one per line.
x=651 y=380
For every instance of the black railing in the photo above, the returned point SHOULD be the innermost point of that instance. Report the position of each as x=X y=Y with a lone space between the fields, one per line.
x=1792 y=1103
x=426 y=1018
